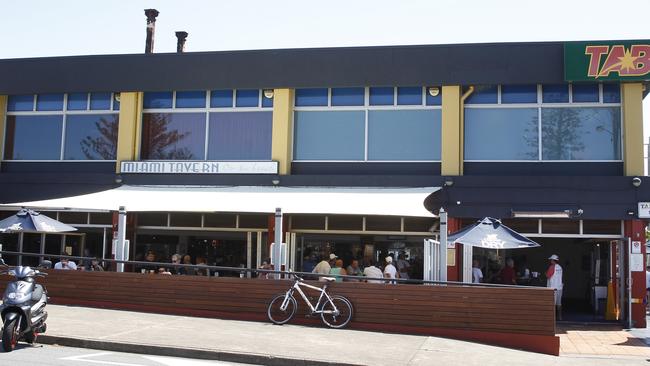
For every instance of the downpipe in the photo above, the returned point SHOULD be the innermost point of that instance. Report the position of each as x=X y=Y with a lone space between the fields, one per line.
x=461 y=141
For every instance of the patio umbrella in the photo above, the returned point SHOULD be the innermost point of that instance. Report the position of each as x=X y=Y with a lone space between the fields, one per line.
x=28 y=221
x=492 y=234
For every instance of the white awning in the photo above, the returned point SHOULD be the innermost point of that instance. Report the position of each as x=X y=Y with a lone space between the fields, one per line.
x=295 y=200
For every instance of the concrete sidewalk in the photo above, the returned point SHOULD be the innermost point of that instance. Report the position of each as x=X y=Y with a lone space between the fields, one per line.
x=268 y=344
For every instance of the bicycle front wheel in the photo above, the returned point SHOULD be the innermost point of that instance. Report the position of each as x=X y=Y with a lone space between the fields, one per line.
x=337 y=312
x=275 y=312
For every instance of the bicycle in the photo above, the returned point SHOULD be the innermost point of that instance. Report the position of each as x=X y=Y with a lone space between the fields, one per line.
x=335 y=311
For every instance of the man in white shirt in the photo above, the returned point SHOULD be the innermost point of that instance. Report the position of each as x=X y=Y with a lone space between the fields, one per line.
x=554 y=280
x=477 y=274
x=371 y=271
x=323 y=267
x=65 y=264
x=390 y=271
x=647 y=286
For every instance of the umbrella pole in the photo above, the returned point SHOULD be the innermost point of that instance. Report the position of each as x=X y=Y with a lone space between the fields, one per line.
x=20 y=248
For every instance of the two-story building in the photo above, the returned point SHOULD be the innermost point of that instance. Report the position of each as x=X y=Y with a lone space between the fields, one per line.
x=201 y=148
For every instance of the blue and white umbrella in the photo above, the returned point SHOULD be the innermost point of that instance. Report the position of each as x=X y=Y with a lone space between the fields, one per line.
x=28 y=221
x=492 y=234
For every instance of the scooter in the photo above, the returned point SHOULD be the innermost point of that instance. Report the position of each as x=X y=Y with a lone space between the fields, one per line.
x=23 y=307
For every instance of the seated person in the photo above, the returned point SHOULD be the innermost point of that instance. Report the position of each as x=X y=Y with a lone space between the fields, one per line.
x=338 y=270
x=65 y=264
x=190 y=271
x=148 y=268
x=95 y=266
x=164 y=271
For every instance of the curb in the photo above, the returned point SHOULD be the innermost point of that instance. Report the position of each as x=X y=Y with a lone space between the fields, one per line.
x=203 y=354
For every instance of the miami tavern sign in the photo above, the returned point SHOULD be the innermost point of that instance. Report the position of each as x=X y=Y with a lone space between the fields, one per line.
x=199 y=167
x=602 y=61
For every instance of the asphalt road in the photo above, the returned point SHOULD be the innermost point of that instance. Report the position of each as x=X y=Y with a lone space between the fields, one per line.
x=42 y=355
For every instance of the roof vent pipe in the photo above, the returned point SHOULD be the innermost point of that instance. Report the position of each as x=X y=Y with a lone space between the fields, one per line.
x=151 y=27
x=180 y=42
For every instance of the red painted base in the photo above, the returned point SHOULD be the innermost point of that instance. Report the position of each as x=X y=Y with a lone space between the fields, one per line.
x=535 y=343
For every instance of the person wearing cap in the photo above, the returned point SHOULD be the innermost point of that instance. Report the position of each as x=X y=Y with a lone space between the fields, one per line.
x=390 y=271
x=647 y=285
x=554 y=280
x=323 y=267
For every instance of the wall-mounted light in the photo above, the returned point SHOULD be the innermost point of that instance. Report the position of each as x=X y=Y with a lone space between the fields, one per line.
x=433 y=91
x=275 y=181
x=636 y=181
x=118 y=179
x=268 y=93
x=448 y=182
x=542 y=214
x=116 y=96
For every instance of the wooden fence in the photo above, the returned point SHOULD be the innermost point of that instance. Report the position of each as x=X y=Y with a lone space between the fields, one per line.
x=513 y=317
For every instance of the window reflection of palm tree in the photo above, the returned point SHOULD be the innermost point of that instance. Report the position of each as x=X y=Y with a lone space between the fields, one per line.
x=103 y=146
x=561 y=136
x=531 y=137
x=159 y=142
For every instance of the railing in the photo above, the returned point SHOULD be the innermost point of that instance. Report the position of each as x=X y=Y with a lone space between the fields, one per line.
x=243 y=270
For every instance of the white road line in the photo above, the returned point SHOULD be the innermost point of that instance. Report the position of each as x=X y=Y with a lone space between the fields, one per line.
x=172 y=361
x=84 y=358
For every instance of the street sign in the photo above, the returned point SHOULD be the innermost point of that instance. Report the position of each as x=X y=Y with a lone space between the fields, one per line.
x=644 y=210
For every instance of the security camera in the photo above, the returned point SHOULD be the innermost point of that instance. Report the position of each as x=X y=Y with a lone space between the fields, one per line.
x=636 y=181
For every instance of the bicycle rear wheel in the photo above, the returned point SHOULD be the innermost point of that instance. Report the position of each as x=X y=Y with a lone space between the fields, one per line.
x=337 y=312
x=275 y=312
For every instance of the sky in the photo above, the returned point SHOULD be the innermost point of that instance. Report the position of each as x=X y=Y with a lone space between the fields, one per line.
x=40 y=28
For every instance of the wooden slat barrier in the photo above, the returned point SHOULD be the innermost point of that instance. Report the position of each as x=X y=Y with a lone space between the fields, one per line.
x=514 y=317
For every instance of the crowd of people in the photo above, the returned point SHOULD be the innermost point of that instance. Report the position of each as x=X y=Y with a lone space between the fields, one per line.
x=333 y=266
x=180 y=265
x=65 y=263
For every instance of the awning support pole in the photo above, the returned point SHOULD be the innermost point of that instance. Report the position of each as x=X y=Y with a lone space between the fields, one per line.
x=277 y=247
x=121 y=237
x=442 y=264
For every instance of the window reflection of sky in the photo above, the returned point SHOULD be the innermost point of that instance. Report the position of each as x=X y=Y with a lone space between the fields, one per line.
x=501 y=134
x=34 y=137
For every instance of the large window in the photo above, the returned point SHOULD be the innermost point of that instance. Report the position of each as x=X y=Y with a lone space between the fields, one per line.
x=367 y=124
x=74 y=126
x=580 y=122
x=212 y=125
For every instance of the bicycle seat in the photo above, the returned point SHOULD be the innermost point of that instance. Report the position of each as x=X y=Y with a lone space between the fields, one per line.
x=329 y=279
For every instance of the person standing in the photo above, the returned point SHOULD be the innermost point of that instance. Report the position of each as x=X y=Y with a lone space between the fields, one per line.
x=507 y=274
x=371 y=271
x=647 y=286
x=403 y=266
x=477 y=274
x=390 y=271
x=323 y=267
x=554 y=281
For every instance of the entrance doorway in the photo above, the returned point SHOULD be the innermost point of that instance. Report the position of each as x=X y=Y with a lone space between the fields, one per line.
x=587 y=270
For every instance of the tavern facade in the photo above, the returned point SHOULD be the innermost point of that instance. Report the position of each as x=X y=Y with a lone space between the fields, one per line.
x=200 y=148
